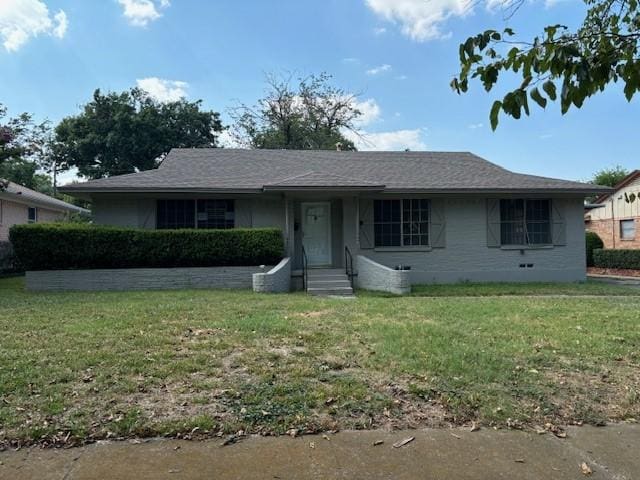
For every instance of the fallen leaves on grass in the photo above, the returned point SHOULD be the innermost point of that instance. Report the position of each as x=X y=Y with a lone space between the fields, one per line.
x=402 y=443
x=586 y=470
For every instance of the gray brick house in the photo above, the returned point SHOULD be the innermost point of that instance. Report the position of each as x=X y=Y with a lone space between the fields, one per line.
x=445 y=216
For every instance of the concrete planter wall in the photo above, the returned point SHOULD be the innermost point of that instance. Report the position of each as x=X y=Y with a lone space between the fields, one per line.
x=373 y=276
x=276 y=280
x=141 y=278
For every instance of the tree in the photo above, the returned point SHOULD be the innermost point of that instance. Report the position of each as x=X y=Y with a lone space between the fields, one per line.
x=119 y=133
x=311 y=115
x=22 y=143
x=569 y=66
x=610 y=177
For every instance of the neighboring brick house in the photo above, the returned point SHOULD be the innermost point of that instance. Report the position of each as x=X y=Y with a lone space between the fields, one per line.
x=19 y=204
x=615 y=216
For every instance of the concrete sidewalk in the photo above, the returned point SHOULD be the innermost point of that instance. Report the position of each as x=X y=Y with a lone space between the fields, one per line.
x=611 y=452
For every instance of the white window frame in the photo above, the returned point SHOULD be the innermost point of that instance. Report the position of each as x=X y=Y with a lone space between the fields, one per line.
x=625 y=221
x=35 y=215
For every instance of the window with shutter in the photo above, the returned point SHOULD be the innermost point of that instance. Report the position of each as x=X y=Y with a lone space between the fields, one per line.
x=401 y=223
x=525 y=222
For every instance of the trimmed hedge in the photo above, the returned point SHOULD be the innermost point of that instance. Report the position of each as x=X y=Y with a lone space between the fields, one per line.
x=8 y=260
x=629 y=259
x=593 y=241
x=76 y=246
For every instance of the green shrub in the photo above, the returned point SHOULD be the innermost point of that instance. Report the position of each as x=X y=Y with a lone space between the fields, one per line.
x=593 y=241
x=77 y=246
x=629 y=259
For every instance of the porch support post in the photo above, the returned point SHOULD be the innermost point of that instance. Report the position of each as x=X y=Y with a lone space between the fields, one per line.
x=357 y=202
x=287 y=227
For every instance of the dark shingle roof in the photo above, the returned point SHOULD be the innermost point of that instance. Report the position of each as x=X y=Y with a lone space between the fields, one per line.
x=31 y=196
x=253 y=170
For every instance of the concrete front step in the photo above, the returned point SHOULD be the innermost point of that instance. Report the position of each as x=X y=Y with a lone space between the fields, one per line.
x=343 y=283
x=331 y=291
x=328 y=282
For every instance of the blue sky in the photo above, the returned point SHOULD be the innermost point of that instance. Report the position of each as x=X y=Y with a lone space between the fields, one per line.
x=399 y=55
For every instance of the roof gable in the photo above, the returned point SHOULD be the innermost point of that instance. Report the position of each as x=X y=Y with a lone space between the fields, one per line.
x=626 y=181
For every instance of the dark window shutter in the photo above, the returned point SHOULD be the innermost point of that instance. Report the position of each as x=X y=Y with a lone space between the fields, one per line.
x=559 y=226
x=438 y=224
x=493 y=222
x=366 y=223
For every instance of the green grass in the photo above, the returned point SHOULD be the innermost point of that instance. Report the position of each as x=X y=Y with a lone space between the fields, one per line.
x=504 y=289
x=109 y=365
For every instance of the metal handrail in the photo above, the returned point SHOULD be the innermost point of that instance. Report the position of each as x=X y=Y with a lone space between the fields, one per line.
x=348 y=264
x=305 y=269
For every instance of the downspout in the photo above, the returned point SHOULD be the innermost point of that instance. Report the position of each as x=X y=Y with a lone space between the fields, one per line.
x=613 y=225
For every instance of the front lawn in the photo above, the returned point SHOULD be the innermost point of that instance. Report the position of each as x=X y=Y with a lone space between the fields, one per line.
x=84 y=366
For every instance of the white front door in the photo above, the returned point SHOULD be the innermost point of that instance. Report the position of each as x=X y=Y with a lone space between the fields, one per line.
x=316 y=232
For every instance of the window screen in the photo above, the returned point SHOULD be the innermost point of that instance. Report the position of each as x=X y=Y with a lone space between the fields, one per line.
x=216 y=214
x=400 y=223
x=175 y=214
x=627 y=229
x=525 y=222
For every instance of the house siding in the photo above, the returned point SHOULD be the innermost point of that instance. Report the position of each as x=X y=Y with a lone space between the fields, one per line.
x=14 y=213
x=466 y=256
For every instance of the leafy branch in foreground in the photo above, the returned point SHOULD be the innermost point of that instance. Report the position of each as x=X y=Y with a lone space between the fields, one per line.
x=581 y=63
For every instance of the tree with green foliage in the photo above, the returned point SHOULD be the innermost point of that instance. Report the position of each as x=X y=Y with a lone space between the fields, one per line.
x=22 y=146
x=562 y=64
x=311 y=115
x=610 y=177
x=119 y=133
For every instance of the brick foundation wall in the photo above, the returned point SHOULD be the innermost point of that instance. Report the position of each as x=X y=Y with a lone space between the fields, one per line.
x=373 y=276
x=610 y=233
x=142 y=278
x=276 y=280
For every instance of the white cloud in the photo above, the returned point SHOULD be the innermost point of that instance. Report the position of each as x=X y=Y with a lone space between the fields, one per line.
x=350 y=60
x=21 y=20
x=226 y=139
x=379 y=69
x=370 y=111
x=475 y=126
x=383 y=30
x=401 y=77
x=62 y=23
x=141 y=12
x=163 y=90
x=387 y=141
x=420 y=20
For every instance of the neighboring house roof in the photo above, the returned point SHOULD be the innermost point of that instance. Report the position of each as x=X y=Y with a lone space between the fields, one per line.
x=21 y=194
x=632 y=177
x=226 y=170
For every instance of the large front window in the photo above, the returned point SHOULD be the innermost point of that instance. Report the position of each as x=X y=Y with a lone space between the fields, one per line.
x=525 y=222
x=401 y=223
x=195 y=214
